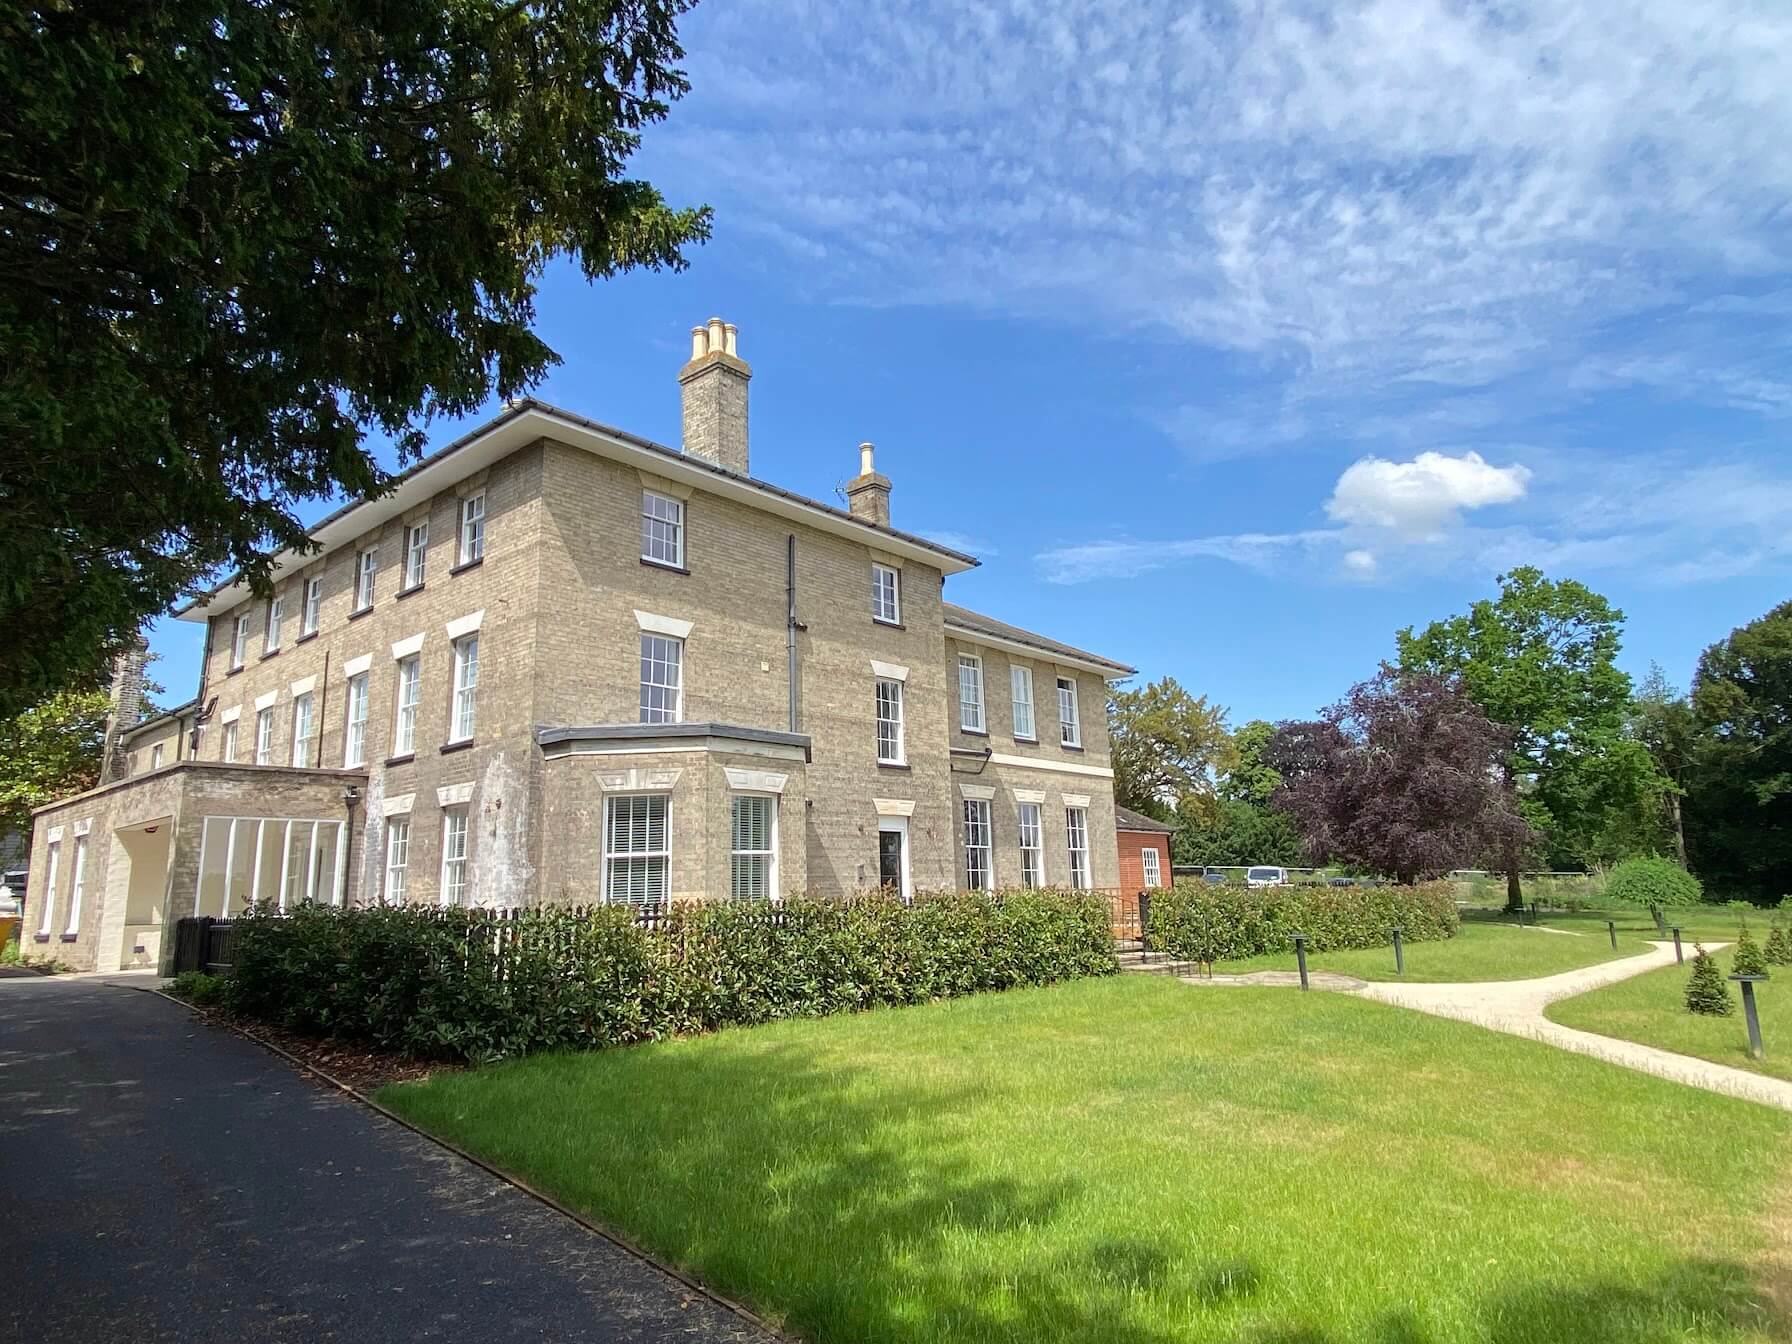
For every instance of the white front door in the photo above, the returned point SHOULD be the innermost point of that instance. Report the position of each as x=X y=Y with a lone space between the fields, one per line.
x=892 y=855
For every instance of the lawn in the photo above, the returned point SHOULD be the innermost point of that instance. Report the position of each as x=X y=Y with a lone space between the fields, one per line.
x=1651 y=1008
x=1131 y=1160
x=1715 y=923
x=1483 y=950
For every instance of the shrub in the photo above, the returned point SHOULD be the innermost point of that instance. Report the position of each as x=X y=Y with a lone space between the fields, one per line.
x=1778 y=949
x=198 y=988
x=1706 y=991
x=1745 y=957
x=1195 y=922
x=1653 y=883
x=480 y=985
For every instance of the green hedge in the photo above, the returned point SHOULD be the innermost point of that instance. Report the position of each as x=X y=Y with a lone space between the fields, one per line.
x=477 y=985
x=1196 y=922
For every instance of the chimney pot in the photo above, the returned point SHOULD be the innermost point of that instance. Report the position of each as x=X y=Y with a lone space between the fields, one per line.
x=699 y=342
x=730 y=333
x=718 y=340
x=866 y=455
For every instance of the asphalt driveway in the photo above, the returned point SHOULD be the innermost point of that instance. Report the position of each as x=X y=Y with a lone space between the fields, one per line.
x=160 y=1180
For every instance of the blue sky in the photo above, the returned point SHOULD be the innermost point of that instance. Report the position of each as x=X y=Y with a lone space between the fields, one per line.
x=1234 y=337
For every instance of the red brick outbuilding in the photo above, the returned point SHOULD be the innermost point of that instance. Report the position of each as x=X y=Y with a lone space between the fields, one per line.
x=1140 y=838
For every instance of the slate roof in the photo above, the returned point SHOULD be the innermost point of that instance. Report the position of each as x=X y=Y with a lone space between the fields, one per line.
x=1125 y=819
x=976 y=623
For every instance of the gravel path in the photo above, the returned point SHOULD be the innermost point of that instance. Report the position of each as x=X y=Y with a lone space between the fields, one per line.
x=1516 y=1007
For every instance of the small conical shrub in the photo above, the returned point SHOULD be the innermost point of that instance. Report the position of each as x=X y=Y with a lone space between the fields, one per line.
x=1746 y=958
x=1706 y=991
x=1778 y=949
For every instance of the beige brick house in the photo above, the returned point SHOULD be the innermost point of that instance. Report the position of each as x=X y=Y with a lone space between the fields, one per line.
x=559 y=662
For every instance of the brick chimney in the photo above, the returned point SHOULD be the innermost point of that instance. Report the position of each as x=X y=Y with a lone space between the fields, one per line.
x=127 y=708
x=868 y=494
x=715 y=397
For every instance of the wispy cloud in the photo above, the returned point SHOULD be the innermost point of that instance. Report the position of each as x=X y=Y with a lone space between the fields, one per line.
x=1386 y=192
x=1670 y=524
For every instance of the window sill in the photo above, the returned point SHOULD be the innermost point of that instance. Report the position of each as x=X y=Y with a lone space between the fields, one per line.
x=302 y=638
x=1025 y=741
x=661 y=564
x=271 y=653
x=465 y=565
x=894 y=765
x=1071 y=746
x=405 y=759
x=40 y=937
x=973 y=732
x=406 y=592
x=359 y=612
x=462 y=745
x=891 y=625
x=70 y=937
x=235 y=671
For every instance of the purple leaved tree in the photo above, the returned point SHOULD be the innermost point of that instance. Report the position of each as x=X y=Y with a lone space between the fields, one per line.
x=1400 y=777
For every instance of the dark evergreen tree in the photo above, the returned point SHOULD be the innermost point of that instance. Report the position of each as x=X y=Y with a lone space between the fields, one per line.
x=1706 y=991
x=1745 y=957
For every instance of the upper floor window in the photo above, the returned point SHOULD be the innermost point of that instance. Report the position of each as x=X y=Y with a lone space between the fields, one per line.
x=155 y=757
x=264 y=736
x=890 y=748
x=1070 y=728
x=304 y=709
x=311 y=608
x=367 y=565
x=753 y=855
x=239 y=642
x=466 y=688
x=472 y=529
x=637 y=847
x=1032 y=847
x=970 y=693
x=662 y=679
x=410 y=685
x=1076 y=827
x=416 y=554
x=78 y=887
x=276 y=616
x=227 y=742
x=979 y=847
x=662 y=529
x=1021 y=697
x=454 y=855
x=886 y=594
x=354 y=736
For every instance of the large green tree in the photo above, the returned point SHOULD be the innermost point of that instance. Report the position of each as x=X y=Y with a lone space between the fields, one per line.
x=1166 y=745
x=1662 y=720
x=1739 y=787
x=1540 y=660
x=236 y=237
x=49 y=751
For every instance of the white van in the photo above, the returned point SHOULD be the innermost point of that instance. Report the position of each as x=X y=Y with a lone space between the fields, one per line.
x=1266 y=877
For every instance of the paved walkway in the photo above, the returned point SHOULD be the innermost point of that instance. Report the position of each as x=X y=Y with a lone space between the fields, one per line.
x=167 y=1181
x=1516 y=1007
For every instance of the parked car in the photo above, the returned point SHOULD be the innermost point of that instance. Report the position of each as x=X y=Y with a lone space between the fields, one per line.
x=1266 y=877
x=1343 y=882
x=1213 y=877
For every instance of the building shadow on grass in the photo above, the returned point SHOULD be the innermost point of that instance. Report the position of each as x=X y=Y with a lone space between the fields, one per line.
x=862 y=1204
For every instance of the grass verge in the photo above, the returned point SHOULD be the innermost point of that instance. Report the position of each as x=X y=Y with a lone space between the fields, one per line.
x=1482 y=950
x=1651 y=1009
x=1130 y=1162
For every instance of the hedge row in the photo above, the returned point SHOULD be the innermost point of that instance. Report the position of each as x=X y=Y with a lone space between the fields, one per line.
x=478 y=985
x=1196 y=922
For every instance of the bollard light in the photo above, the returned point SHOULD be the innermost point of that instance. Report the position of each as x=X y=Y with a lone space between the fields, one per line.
x=1399 y=951
x=1611 y=927
x=1300 y=958
x=1679 y=953
x=1748 y=1012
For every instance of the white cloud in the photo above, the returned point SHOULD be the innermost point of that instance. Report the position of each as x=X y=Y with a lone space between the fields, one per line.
x=1420 y=499
x=1360 y=562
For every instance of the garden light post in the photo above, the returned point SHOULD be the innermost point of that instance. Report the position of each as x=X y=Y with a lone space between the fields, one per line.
x=1300 y=958
x=1749 y=1014
x=1679 y=955
x=1611 y=927
x=1399 y=952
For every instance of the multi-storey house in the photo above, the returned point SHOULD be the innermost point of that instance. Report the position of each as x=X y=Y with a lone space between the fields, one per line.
x=558 y=662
